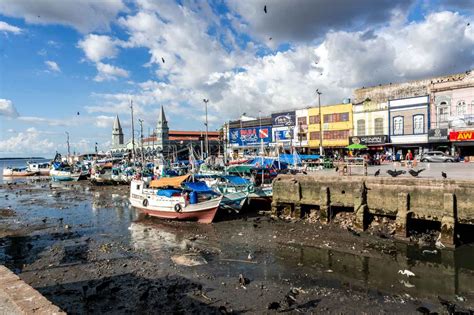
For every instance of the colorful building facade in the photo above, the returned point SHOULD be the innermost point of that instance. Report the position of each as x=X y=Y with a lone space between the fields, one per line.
x=337 y=126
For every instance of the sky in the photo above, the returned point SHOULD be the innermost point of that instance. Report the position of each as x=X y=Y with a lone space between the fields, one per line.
x=73 y=65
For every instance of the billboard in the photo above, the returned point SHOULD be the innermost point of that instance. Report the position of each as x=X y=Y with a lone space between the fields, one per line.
x=369 y=140
x=438 y=135
x=283 y=135
x=284 y=119
x=250 y=136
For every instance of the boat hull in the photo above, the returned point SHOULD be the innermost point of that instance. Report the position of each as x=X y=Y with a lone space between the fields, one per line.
x=10 y=173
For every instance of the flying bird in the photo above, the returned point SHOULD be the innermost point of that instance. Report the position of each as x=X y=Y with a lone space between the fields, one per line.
x=444 y=174
x=270 y=38
x=395 y=173
x=78 y=113
x=163 y=59
x=415 y=173
x=265 y=9
x=468 y=24
x=377 y=173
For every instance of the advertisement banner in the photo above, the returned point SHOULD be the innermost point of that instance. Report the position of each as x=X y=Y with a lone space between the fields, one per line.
x=282 y=135
x=250 y=136
x=284 y=119
x=369 y=140
x=467 y=135
x=438 y=135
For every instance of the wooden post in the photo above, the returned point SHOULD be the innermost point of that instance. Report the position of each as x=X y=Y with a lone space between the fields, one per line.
x=325 y=204
x=403 y=214
x=360 y=207
x=448 y=221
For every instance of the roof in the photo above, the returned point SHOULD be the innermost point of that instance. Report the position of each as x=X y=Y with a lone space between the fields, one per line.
x=174 y=182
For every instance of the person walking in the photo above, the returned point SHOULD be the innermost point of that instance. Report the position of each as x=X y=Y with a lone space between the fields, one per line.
x=409 y=158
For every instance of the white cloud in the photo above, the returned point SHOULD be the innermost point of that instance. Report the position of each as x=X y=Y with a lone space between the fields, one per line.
x=98 y=47
x=104 y=121
x=7 y=108
x=108 y=72
x=52 y=66
x=26 y=142
x=84 y=15
x=8 y=28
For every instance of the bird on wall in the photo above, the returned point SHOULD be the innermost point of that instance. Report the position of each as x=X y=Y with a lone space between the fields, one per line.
x=377 y=173
x=415 y=173
x=444 y=175
x=395 y=173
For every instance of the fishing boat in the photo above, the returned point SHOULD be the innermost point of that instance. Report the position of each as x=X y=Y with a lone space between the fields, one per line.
x=18 y=172
x=41 y=168
x=235 y=190
x=174 y=198
x=62 y=173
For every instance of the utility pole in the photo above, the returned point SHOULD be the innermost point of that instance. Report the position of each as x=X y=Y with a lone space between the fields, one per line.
x=320 y=124
x=68 y=147
x=141 y=139
x=133 y=132
x=207 y=128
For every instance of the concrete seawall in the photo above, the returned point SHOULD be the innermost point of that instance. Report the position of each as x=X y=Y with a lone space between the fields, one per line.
x=450 y=202
x=17 y=297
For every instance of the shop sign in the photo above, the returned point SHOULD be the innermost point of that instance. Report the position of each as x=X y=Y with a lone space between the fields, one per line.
x=467 y=135
x=284 y=119
x=438 y=135
x=250 y=136
x=368 y=140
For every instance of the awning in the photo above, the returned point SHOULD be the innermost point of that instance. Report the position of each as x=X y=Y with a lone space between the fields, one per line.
x=236 y=180
x=174 y=182
x=199 y=187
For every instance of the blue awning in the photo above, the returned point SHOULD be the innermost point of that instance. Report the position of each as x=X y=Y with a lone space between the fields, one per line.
x=236 y=180
x=167 y=192
x=199 y=187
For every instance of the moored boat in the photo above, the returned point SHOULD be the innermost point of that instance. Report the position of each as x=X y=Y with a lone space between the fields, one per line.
x=42 y=169
x=18 y=172
x=60 y=172
x=174 y=198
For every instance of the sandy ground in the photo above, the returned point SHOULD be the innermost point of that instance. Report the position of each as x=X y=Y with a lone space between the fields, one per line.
x=87 y=251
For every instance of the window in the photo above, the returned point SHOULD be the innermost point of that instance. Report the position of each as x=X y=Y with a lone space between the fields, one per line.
x=336 y=134
x=398 y=125
x=361 y=127
x=442 y=113
x=314 y=135
x=418 y=124
x=302 y=121
x=461 y=108
x=314 y=119
x=338 y=117
x=378 y=126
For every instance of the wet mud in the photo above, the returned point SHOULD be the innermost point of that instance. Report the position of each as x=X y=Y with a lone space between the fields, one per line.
x=89 y=252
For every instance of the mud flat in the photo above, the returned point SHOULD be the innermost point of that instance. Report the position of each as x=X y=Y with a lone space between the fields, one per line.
x=87 y=251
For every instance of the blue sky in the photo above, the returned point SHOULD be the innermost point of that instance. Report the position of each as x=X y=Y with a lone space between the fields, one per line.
x=55 y=62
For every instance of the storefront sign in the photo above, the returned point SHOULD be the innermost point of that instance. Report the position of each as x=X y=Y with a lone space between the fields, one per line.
x=284 y=119
x=368 y=140
x=282 y=135
x=467 y=135
x=438 y=135
x=250 y=136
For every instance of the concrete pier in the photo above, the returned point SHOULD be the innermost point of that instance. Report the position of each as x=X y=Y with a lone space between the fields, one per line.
x=449 y=202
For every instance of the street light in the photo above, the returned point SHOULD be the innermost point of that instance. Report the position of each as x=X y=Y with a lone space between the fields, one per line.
x=207 y=128
x=320 y=124
x=68 y=147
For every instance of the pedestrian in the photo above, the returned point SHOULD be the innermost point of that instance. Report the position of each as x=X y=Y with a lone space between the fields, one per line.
x=409 y=158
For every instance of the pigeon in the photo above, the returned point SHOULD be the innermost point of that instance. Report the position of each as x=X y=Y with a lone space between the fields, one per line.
x=444 y=175
x=415 y=173
x=265 y=9
x=395 y=173
x=243 y=281
x=377 y=173
x=163 y=59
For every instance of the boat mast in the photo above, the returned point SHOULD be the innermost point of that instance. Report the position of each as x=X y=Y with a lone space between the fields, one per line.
x=141 y=138
x=133 y=132
x=68 y=147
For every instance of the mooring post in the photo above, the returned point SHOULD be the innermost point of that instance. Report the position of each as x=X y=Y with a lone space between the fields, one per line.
x=403 y=214
x=448 y=221
x=360 y=207
x=324 y=204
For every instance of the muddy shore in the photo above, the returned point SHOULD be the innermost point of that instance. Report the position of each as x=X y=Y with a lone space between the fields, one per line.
x=87 y=251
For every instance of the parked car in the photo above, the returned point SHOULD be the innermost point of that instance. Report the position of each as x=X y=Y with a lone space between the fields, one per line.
x=437 y=156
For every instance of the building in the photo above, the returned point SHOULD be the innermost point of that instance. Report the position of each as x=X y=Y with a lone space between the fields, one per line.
x=370 y=124
x=337 y=126
x=171 y=143
x=300 y=136
x=283 y=129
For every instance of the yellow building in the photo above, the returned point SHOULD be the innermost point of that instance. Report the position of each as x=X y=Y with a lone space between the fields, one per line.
x=337 y=125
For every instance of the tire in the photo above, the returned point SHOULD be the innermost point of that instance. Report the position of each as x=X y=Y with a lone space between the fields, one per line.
x=424 y=160
x=178 y=208
x=449 y=161
x=145 y=202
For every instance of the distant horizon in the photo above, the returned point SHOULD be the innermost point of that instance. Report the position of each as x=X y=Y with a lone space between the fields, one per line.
x=24 y=158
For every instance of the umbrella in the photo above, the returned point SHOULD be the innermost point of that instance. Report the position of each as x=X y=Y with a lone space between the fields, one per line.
x=356 y=146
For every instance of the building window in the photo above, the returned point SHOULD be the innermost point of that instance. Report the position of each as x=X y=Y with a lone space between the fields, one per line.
x=378 y=126
x=361 y=127
x=461 y=109
x=302 y=121
x=442 y=113
x=314 y=119
x=338 y=117
x=336 y=135
x=418 y=124
x=314 y=135
x=398 y=125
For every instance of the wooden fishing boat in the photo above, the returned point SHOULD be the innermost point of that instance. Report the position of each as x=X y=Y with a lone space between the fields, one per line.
x=41 y=168
x=18 y=172
x=174 y=198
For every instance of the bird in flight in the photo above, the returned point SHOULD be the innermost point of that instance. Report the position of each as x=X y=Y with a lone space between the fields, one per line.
x=415 y=173
x=377 y=173
x=265 y=9
x=163 y=59
x=78 y=113
x=444 y=175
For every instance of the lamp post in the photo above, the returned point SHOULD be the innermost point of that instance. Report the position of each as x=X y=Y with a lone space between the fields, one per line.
x=207 y=128
x=141 y=138
x=68 y=146
x=320 y=124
